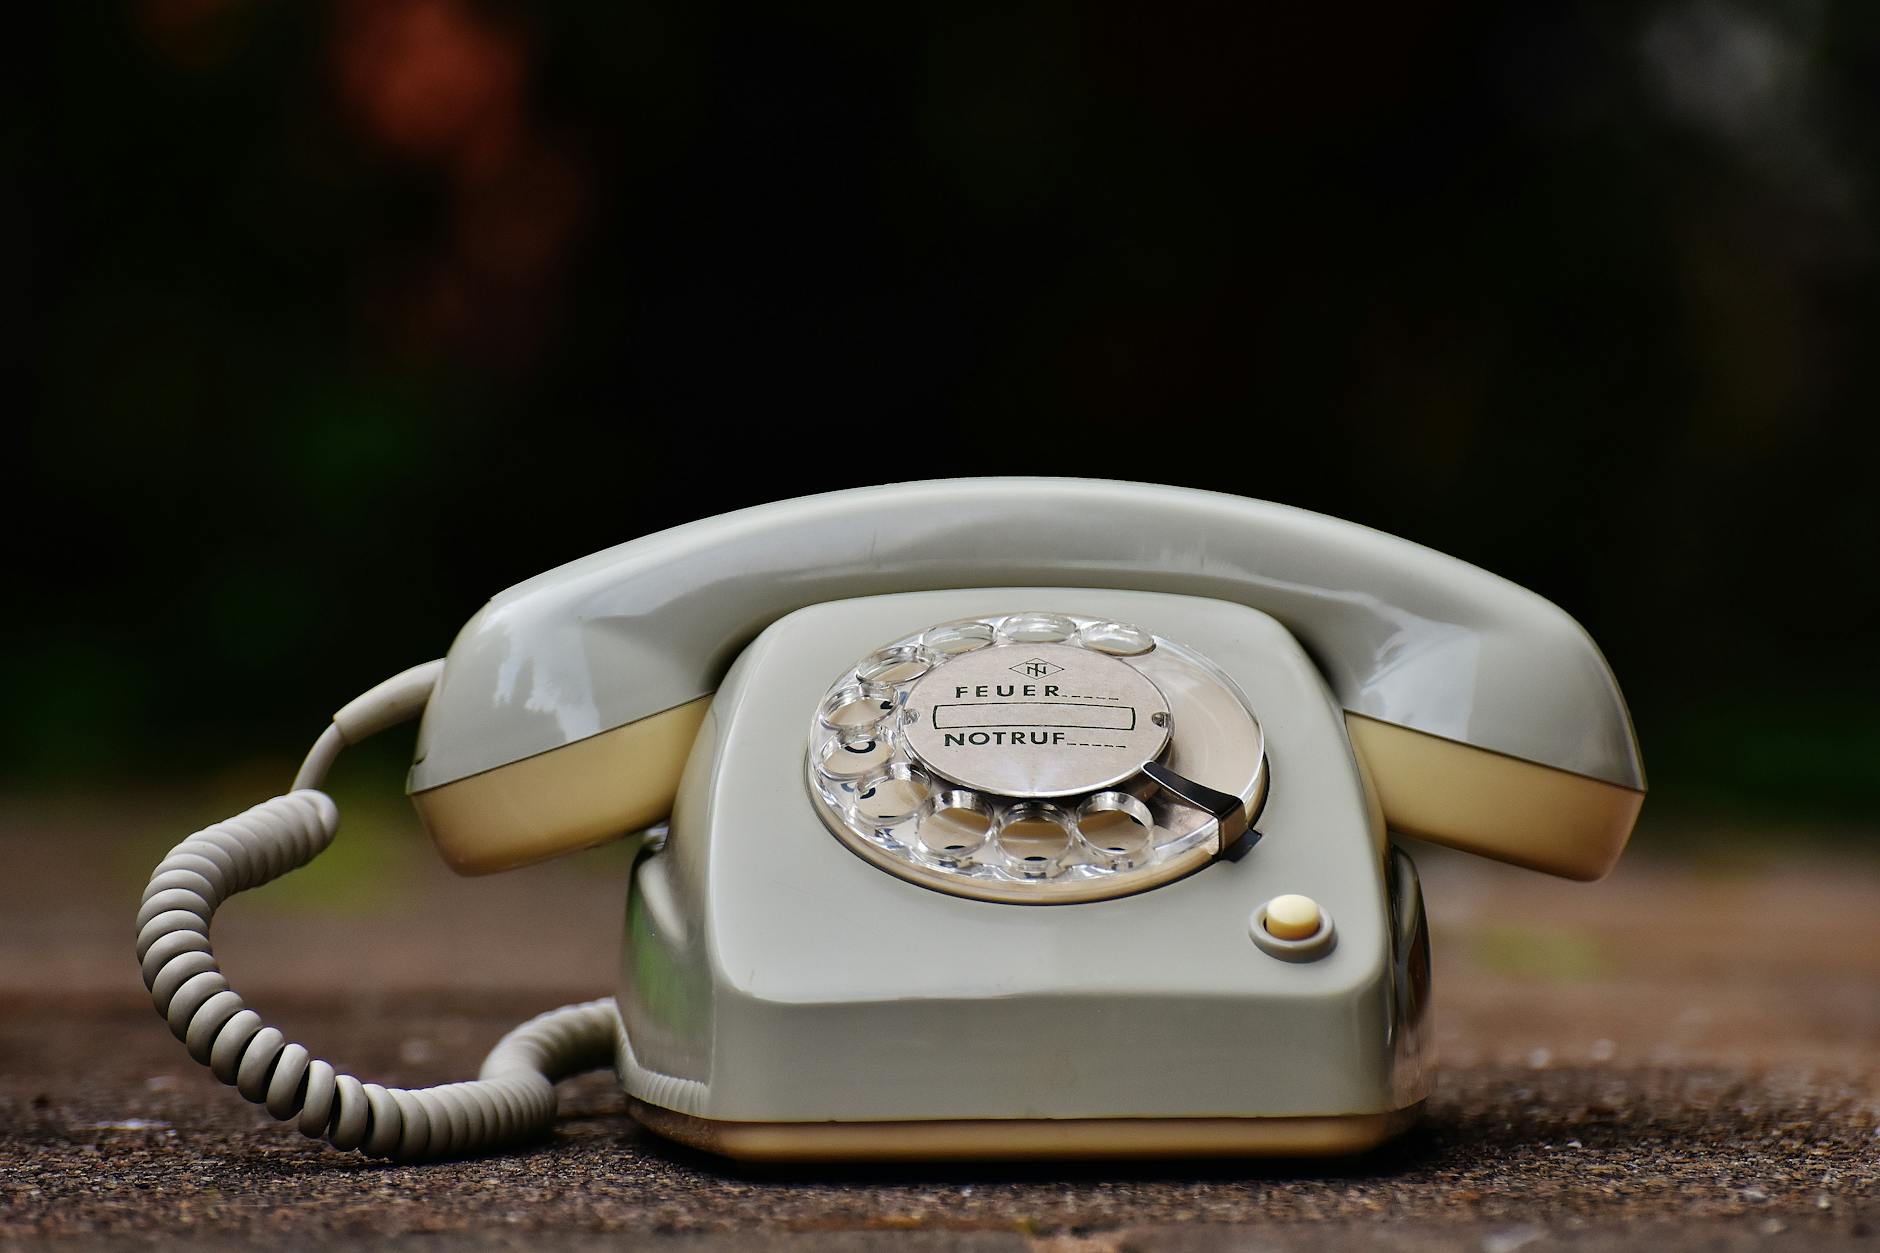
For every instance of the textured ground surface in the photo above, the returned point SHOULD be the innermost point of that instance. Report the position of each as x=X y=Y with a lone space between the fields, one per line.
x=1636 y=1064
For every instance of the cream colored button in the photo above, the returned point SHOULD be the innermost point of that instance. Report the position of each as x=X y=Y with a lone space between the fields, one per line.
x=1292 y=917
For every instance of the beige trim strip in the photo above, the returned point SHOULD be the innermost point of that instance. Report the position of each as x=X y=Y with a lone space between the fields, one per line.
x=573 y=797
x=991 y=1139
x=1501 y=807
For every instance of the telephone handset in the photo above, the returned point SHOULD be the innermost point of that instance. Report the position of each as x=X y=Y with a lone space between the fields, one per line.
x=1007 y=817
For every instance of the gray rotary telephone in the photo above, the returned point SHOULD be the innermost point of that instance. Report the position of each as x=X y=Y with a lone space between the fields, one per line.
x=1007 y=817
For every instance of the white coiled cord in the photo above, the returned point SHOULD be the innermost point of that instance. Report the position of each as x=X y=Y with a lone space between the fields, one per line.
x=511 y=1100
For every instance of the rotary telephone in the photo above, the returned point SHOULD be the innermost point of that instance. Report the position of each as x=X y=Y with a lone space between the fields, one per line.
x=1002 y=818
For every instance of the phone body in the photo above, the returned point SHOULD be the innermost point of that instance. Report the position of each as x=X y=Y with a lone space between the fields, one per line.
x=809 y=690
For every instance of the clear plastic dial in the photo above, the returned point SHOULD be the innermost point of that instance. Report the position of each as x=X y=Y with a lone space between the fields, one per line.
x=1036 y=758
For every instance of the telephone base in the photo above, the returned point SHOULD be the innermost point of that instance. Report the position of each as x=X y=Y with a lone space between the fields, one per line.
x=1014 y=1139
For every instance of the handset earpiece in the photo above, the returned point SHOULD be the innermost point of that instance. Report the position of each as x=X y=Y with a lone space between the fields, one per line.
x=1494 y=805
x=585 y=793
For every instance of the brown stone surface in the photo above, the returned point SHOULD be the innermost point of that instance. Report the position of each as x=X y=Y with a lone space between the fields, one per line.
x=1635 y=1064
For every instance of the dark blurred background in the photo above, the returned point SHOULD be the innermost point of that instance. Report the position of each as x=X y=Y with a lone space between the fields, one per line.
x=332 y=320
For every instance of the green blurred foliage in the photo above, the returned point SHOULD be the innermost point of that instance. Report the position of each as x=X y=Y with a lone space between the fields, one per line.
x=1540 y=955
x=333 y=320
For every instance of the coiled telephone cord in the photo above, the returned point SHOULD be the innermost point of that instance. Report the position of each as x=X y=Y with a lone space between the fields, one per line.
x=511 y=1100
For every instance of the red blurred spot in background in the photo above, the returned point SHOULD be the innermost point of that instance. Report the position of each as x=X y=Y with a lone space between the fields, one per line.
x=433 y=80
x=440 y=84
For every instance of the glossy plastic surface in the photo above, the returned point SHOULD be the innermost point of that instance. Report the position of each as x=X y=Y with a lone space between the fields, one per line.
x=770 y=974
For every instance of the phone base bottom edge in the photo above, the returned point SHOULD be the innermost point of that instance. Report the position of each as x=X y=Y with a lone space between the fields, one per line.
x=1320 y=1135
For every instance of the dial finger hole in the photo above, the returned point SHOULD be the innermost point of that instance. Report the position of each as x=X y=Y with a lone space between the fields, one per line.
x=851 y=757
x=1037 y=628
x=895 y=665
x=1119 y=639
x=892 y=796
x=1117 y=830
x=954 y=827
x=958 y=637
x=857 y=707
x=1034 y=840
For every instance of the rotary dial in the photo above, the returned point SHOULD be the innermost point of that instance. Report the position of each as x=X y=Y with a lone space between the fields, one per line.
x=1037 y=758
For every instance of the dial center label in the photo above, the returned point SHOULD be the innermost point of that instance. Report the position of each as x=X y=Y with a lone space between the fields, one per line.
x=1035 y=720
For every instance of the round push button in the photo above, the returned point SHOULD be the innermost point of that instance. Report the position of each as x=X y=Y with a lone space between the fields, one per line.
x=1292 y=917
x=1293 y=928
